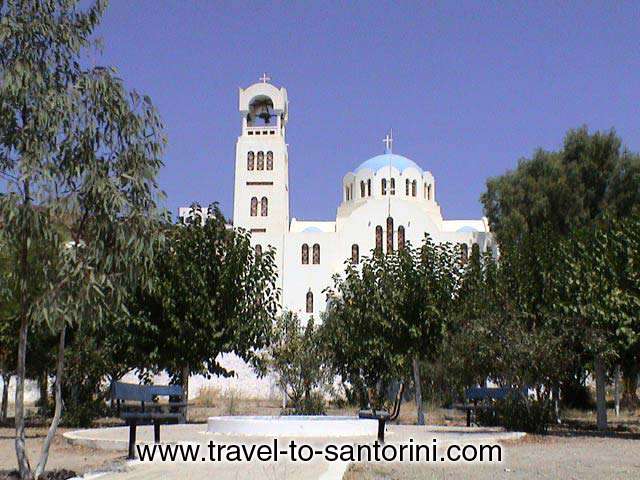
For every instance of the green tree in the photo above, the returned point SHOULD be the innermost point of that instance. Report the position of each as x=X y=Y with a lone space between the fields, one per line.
x=389 y=313
x=601 y=281
x=297 y=358
x=78 y=157
x=555 y=193
x=212 y=293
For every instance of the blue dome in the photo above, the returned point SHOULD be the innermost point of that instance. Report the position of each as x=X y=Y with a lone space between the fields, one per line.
x=312 y=230
x=467 y=229
x=398 y=161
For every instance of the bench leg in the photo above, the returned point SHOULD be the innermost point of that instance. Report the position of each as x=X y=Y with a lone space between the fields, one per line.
x=468 y=416
x=132 y=439
x=381 y=423
x=156 y=431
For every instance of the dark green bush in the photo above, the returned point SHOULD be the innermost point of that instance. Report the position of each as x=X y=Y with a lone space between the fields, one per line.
x=312 y=404
x=525 y=414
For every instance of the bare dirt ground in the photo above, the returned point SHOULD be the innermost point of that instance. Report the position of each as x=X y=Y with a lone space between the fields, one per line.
x=62 y=455
x=548 y=457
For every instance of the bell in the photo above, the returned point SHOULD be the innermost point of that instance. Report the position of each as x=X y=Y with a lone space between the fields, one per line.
x=265 y=116
x=263 y=112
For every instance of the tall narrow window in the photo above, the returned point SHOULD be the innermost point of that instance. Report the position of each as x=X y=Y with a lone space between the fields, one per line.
x=316 y=254
x=384 y=186
x=269 y=160
x=355 y=253
x=400 y=237
x=254 y=206
x=362 y=189
x=429 y=192
x=250 y=160
x=309 y=308
x=369 y=188
x=414 y=188
x=258 y=249
x=389 y=234
x=407 y=186
x=346 y=194
x=264 y=207
x=305 y=254
x=424 y=191
x=378 y=240
x=464 y=252
x=393 y=186
x=260 y=161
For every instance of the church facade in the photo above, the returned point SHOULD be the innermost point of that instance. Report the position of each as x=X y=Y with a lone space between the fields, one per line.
x=387 y=201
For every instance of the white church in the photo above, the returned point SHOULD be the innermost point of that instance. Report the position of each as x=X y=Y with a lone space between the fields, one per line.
x=387 y=200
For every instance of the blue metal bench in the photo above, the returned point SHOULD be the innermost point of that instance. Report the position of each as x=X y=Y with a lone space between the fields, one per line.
x=148 y=410
x=482 y=394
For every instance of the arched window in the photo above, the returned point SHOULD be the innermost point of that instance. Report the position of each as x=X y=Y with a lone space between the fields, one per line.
x=346 y=194
x=384 y=186
x=355 y=253
x=260 y=165
x=250 y=160
x=264 y=206
x=305 y=254
x=309 y=308
x=407 y=186
x=389 y=234
x=362 y=188
x=464 y=252
x=414 y=188
x=424 y=191
x=254 y=206
x=316 y=254
x=369 y=187
x=393 y=186
x=258 y=249
x=429 y=192
x=378 y=240
x=400 y=237
x=269 y=160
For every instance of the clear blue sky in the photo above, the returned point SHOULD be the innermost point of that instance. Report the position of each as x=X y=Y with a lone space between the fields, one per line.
x=468 y=87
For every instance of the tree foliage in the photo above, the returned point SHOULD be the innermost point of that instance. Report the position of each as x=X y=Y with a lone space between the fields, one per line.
x=211 y=294
x=78 y=158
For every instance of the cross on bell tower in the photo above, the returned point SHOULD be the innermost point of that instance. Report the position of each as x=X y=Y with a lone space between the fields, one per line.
x=265 y=78
x=388 y=142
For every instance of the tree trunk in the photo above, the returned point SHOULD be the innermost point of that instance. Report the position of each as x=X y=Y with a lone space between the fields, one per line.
x=616 y=390
x=556 y=403
x=630 y=387
x=418 y=382
x=601 y=400
x=185 y=393
x=43 y=384
x=6 y=378
x=24 y=467
x=44 y=453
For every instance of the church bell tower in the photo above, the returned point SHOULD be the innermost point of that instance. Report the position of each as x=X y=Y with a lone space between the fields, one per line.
x=261 y=193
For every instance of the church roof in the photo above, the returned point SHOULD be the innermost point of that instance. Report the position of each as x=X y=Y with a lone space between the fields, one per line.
x=380 y=161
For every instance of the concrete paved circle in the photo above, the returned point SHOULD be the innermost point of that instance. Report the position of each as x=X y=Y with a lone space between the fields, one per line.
x=116 y=438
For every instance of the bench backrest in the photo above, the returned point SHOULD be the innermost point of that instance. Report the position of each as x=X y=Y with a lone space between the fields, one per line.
x=143 y=393
x=480 y=393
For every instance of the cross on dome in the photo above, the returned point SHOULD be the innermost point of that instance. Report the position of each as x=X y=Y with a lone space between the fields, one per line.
x=388 y=142
x=265 y=78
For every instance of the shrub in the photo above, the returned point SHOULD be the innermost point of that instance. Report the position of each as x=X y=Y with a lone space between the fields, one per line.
x=525 y=414
x=295 y=356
